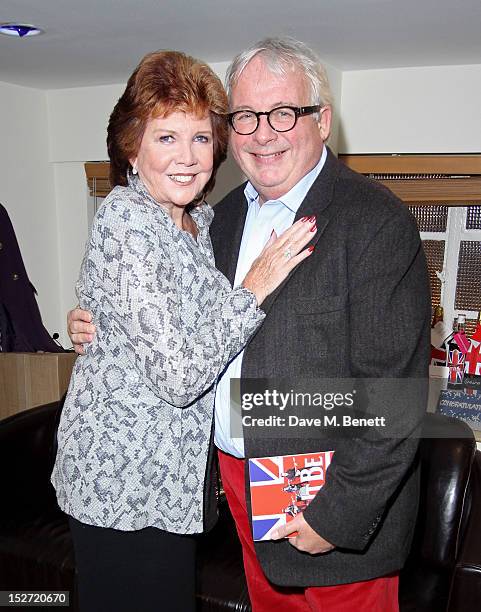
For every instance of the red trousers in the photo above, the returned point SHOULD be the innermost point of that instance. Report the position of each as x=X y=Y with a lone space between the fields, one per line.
x=377 y=595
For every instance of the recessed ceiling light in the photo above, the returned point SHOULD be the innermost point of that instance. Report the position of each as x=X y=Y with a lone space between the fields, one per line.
x=19 y=29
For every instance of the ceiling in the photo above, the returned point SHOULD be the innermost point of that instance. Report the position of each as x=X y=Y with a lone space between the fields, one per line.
x=93 y=42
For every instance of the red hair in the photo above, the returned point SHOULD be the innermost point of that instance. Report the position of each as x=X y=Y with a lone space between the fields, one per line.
x=165 y=82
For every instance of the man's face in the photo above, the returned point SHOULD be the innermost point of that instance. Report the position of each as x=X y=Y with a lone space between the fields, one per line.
x=276 y=161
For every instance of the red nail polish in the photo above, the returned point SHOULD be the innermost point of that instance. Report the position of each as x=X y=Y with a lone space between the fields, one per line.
x=311 y=248
x=312 y=219
x=303 y=219
x=313 y=228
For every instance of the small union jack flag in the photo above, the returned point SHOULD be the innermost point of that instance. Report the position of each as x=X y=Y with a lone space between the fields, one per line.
x=473 y=359
x=456 y=361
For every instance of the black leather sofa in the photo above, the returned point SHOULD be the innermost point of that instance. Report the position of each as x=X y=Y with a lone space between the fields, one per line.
x=443 y=573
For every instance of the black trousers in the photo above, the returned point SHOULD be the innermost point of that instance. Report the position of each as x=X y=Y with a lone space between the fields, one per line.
x=149 y=570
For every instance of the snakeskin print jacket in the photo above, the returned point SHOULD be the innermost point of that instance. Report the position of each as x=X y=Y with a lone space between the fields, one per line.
x=136 y=424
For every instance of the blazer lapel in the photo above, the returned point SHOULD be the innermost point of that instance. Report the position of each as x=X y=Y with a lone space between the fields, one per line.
x=319 y=195
x=315 y=203
x=226 y=257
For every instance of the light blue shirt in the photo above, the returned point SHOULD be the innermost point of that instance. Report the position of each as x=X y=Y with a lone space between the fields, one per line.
x=275 y=215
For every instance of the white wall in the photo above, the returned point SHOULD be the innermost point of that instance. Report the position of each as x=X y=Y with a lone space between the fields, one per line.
x=26 y=191
x=335 y=80
x=411 y=110
x=78 y=122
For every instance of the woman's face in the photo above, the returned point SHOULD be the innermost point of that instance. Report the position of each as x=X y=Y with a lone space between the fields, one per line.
x=175 y=158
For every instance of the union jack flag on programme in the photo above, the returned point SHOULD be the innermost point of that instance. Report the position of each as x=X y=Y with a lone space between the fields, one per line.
x=282 y=487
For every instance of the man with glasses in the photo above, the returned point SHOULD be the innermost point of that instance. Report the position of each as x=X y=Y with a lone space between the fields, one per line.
x=358 y=307
x=282 y=119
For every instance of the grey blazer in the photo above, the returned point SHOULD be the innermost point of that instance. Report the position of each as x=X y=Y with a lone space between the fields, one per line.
x=136 y=426
x=358 y=307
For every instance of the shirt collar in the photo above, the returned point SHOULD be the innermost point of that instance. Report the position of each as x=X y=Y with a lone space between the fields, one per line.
x=294 y=197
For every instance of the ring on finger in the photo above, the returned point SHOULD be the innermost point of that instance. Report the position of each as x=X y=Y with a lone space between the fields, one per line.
x=287 y=253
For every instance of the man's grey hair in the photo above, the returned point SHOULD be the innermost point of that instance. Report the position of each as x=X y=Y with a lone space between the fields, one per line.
x=282 y=55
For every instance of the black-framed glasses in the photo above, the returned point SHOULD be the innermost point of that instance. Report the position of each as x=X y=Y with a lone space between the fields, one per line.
x=281 y=119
